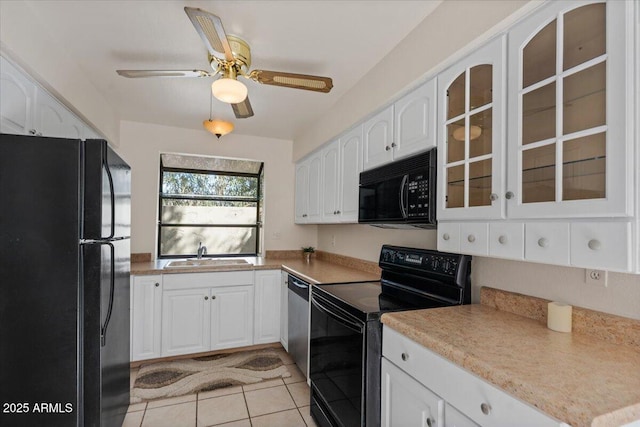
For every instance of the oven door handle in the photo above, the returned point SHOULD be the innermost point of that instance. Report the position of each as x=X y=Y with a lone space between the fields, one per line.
x=340 y=319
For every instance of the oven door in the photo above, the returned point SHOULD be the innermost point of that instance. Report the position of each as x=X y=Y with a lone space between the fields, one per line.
x=337 y=364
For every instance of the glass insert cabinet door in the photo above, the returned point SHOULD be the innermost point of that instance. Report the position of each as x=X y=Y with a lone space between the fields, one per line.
x=471 y=135
x=567 y=139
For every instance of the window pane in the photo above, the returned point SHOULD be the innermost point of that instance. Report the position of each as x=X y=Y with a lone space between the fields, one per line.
x=584 y=34
x=584 y=167
x=480 y=134
x=208 y=212
x=539 y=56
x=584 y=98
x=455 y=187
x=539 y=174
x=480 y=86
x=480 y=183
x=226 y=240
x=185 y=183
x=455 y=97
x=455 y=141
x=539 y=114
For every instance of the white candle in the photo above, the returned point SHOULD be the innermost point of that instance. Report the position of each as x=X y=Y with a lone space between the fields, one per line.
x=559 y=317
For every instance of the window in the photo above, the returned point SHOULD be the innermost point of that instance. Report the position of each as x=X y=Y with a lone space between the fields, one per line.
x=209 y=200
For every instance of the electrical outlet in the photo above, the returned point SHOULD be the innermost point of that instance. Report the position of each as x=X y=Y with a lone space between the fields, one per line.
x=333 y=240
x=596 y=277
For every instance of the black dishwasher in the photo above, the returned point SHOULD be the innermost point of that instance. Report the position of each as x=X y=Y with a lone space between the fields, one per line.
x=298 y=306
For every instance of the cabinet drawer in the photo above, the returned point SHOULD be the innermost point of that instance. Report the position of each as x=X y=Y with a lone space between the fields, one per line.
x=547 y=242
x=207 y=280
x=449 y=237
x=460 y=388
x=506 y=240
x=601 y=245
x=474 y=238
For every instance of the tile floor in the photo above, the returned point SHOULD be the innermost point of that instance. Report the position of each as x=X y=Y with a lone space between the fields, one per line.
x=272 y=403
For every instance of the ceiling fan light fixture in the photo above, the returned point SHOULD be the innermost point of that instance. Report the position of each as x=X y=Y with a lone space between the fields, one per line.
x=229 y=90
x=218 y=127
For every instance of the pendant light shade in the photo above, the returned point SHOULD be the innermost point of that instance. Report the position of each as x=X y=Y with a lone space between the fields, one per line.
x=229 y=90
x=218 y=127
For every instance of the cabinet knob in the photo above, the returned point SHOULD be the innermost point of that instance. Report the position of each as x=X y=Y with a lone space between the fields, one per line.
x=485 y=408
x=387 y=148
x=32 y=131
x=446 y=236
x=213 y=297
x=304 y=215
x=337 y=212
x=509 y=195
x=594 y=244
x=405 y=356
x=393 y=144
x=206 y=298
x=431 y=422
x=493 y=197
x=471 y=238
x=543 y=242
x=157 y=284
x=502 y=239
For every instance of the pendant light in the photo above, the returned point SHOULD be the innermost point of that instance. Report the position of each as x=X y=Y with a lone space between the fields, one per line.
x=217 y=127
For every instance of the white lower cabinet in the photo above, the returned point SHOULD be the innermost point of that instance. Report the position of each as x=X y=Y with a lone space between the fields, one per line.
x=231 y=317
x=186 y=324
x=146 y=309
x=268 y=291
x=421 y=388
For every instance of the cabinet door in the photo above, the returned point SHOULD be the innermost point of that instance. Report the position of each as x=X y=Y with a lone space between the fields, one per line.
x=471 y=135
x=284 y=311
x=315 y=189
x=569 y=144
x=53 y=119
x=16 y=102
x=330 y=180
x=146 y=310
x=350 y=168
x=378 y=137
x=415 y=121
x=231 y=317
x=302 y=193
x=186 y=321
x=266 y=326
x=406 y=402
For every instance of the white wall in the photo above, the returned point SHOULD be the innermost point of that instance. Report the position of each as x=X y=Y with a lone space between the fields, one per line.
x=141 y=145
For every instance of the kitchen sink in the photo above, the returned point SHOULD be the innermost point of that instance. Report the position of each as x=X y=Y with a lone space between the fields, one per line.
x=206 y=263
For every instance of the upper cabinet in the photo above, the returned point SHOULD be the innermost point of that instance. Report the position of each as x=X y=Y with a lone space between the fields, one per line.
x=471 y=135
x=308 y=190
x=401 y=129
x=569 y=112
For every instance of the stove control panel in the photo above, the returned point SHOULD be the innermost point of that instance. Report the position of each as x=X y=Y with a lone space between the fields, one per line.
x=425 y=260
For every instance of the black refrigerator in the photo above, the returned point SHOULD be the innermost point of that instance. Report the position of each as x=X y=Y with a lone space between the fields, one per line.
x=64 y=282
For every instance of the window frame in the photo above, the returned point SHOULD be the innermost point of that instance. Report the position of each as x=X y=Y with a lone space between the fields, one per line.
x=256 y=200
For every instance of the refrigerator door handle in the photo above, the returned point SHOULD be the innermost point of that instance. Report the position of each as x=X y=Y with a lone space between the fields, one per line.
x=105 y=165
x=112 y=285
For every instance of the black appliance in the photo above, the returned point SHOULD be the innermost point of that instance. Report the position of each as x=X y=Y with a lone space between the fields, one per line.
x=64 y=283
x=400 y=193
x=298 y=318
x=346 y=333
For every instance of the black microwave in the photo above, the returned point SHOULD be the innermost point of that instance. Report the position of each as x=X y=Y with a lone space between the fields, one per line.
x=401 y=192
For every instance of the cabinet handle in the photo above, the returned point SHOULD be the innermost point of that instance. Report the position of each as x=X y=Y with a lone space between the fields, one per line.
x=33 y=131
x=393 y=144
x=446 y=236
x=206 y=298
x=213 y=297
x=594 y=244
x=485 y=408
x=502 y=240
x=337 y=212
x=471 y=238
x=405 y=356
x=387 y=148
x=157 y=284
x=543 y=242
x=304 y=215
x=430 y=422
x=493 y=197
x=509 y=195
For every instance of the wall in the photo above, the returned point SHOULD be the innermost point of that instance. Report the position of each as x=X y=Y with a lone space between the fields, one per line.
x=454 y=28
x=141 y=145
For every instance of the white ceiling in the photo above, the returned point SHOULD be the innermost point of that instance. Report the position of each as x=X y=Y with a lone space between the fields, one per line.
x=339 y=39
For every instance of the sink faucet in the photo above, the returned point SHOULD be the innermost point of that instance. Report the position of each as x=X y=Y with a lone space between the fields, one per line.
x=202 y=250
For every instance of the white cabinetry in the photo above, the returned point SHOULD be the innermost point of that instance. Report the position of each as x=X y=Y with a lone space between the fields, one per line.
x=308 y=202
x=451 y=395
x=330 y=181
x=284 y=310
x=146 y=309
x=268 y=300
x=401 y=129
x=206 y=311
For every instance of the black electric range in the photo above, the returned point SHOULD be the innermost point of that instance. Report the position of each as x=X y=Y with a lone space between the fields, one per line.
x=346 y=333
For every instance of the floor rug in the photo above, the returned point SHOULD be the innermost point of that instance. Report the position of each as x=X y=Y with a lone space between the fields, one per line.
x=189 y=376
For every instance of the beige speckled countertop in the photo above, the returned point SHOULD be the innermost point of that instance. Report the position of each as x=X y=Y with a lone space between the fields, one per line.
x=317 y=271
x=576 y=378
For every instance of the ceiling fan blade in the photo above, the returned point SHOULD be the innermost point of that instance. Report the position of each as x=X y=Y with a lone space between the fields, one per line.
x=296 y=81
x=162 y=73
x=211 y=31
x=242 y=110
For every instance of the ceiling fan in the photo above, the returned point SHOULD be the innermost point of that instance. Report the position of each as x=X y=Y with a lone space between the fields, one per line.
x=235 y=61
